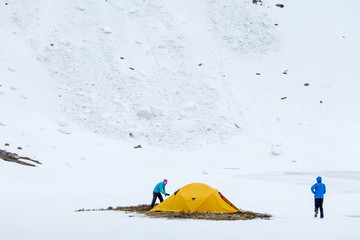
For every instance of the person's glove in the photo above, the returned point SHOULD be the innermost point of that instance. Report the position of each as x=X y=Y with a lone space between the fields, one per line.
x=167 y=195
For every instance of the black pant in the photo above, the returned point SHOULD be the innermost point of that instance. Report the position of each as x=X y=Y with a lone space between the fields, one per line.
x=155 y=196
x=319 y=204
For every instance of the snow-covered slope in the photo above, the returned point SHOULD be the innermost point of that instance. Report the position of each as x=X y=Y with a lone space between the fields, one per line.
x=146 y=69
x=255 y=100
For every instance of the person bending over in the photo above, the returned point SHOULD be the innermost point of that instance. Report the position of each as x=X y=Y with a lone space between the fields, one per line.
x=158 y=190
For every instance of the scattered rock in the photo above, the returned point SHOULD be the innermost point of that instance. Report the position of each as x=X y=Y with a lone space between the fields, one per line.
x=138 y=146
x=107 y=30
x=321 y=101
x=276 y=149
x=306 y=84
x=276 y=24
x=51 y=44
x=20 y=148
x=81 y=7
x=258 y=74
x=131 y=68
x=237 y=126
x=7 y=144
x=65 y=131
x=280 y=5
x=13 y=157
x=285 y=72
x=200 y=64
x=122 y=58
x=283 y=98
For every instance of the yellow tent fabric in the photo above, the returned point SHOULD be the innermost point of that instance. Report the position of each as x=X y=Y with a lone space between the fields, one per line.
x=196 y=197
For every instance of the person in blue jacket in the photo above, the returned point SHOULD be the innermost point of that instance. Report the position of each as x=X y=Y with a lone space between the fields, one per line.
x=159 y=188
x=319 y=189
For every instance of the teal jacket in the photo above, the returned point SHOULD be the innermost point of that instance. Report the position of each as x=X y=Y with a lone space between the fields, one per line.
x=160 y=188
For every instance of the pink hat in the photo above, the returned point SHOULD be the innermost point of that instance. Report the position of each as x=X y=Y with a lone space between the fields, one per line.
x=165 y=180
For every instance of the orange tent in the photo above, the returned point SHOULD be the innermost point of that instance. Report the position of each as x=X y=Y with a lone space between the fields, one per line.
x=196 y=197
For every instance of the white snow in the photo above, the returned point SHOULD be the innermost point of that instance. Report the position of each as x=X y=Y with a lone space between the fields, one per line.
x=214 y=92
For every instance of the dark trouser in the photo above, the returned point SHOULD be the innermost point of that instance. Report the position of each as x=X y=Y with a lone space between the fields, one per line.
x=319 y=204
x=155 y=196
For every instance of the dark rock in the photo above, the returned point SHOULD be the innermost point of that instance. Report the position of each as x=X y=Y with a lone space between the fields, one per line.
x=200 y=64
x=258 y=74
x=283 y=98
x=20 y=148
x=321 y=101
x=280 y=5
x=131 y=68
x=138 y=146
x=285 y=72
x=7 y=144
x=306 y=84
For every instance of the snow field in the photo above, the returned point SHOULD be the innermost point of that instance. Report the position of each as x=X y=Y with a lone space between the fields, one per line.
x=199 y=85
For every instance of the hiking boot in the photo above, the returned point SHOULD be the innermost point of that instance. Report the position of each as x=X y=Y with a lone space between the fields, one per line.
x=316 y=213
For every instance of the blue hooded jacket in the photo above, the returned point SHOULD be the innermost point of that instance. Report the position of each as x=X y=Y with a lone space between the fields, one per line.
x=160 y=188
x=318 y=188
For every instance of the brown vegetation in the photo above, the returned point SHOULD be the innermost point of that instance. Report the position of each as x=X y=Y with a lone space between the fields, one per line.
x=144 y=209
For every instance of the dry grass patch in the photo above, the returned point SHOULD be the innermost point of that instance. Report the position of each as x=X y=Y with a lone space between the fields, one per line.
x=144 y=209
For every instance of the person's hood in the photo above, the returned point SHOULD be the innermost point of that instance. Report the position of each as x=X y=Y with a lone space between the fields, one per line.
x=319 y=179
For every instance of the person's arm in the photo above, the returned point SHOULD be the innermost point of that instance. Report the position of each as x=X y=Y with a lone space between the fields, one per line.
x=313 y=188
x=162 y=189
x=324 y=189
